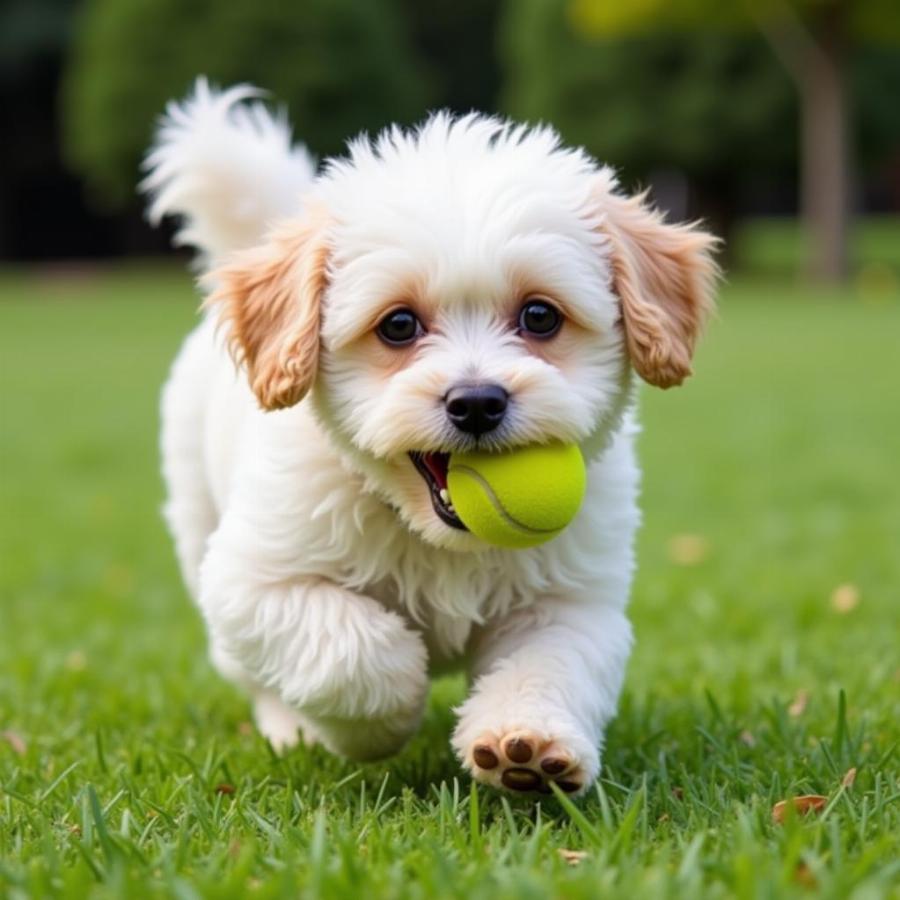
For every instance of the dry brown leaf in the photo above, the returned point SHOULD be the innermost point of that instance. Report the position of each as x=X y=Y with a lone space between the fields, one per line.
x=798 y=706
x=16 y=741
x=224 y=788
x=803 y=875
x=572 y=857
x=688 y=549
x=849 y=778
x=808 y=803
x=845 y=598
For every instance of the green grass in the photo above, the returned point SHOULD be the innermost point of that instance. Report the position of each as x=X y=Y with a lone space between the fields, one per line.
x=771 y=479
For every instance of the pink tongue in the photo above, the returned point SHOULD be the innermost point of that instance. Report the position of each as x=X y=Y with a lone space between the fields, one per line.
x=437 y=465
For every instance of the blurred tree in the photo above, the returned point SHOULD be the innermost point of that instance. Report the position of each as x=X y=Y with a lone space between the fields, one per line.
x=340 y=66
x=30 y=29
x=456 y=39
x=34 y=184
x=875 y=87
x=813 y=39
x=713 y=109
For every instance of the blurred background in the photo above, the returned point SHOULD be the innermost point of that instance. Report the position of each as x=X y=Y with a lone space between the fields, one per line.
x=769 y=569
x=783 y=110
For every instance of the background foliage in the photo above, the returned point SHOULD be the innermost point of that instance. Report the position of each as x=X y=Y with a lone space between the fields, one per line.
x=345 y=65
x=709 y=117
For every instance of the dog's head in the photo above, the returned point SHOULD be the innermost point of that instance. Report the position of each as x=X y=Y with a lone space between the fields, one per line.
x=468 y=284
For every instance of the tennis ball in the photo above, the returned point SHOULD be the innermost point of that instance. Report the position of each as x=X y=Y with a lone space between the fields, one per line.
x=517 y=499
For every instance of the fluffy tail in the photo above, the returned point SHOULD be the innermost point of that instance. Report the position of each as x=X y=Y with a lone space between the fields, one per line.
x=227 y=167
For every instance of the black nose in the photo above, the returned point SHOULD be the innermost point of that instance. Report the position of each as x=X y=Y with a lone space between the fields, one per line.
x=476 y=408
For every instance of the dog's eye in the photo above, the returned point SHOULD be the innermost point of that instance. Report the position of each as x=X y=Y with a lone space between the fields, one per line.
x=539 y=318
x=400 y=327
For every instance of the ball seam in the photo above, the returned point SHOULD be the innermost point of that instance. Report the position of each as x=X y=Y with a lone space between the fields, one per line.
x=498 y=504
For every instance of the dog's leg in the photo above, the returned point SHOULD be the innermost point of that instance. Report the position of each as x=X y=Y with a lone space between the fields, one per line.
x=355 y=672
x=281 y=725
x=547 y=681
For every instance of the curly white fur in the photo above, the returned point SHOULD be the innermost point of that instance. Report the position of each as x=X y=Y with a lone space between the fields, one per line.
x=329 y=586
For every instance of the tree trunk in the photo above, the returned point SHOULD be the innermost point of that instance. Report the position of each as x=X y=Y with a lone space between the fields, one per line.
x=825 y=169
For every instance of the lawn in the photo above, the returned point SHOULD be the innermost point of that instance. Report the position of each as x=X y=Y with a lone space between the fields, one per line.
x=766 y=666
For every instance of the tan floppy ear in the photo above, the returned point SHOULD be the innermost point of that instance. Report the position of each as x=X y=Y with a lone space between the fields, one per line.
x=270 y=298
x=664 y=276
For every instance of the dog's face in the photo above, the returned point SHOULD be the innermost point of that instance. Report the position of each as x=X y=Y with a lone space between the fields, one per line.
x=466 y=286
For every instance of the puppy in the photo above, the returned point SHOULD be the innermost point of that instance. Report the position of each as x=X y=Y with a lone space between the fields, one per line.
x=305 y=430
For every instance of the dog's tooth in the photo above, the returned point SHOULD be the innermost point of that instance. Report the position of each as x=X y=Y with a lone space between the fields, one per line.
x=445 y=495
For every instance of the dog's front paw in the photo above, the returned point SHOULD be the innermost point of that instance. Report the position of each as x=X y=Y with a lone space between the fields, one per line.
x=528 y=760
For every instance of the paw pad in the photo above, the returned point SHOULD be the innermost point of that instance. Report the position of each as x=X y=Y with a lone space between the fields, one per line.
x=485 y=758
x=518 y=750
x=524 y=762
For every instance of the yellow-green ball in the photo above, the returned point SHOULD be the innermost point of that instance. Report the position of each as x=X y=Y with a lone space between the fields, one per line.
x=517 y=499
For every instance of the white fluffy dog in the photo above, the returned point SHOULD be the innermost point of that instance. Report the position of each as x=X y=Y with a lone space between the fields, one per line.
x=469 y=283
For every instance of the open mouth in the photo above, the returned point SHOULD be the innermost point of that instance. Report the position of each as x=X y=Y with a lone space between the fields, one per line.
x=433 y=468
